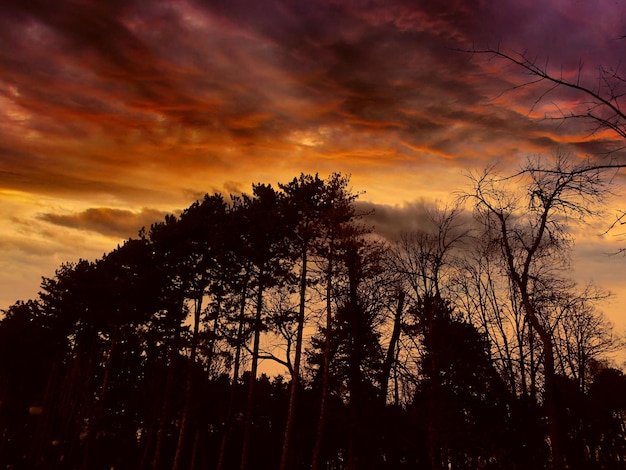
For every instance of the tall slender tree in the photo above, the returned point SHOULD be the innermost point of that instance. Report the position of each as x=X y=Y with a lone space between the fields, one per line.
x=338 y=224
x=203 y=226
x=265 y=244
x=303 y=204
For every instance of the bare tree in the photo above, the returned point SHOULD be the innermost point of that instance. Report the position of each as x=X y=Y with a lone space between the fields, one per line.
x=423 y=259
x=583 y=336
x=483 y=290
x=601 y=101
x=530 y=229
x=394 y=340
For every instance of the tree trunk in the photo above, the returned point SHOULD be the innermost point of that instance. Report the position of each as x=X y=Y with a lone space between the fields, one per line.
x=43 y=430
x=184 y=422
x=194 y=452
x=76 y=387
x=434 y=450
x=396 y=385
x=532 y=368
x=549 y=398
x=247 y=435
x=98 y=407
x=233 y=391
x=295 y=378
x=150 y=425
x=558 y=462
x=218 y=311
x=355 y=358
x=165 y=407
x=391 y=349
x=321 y=423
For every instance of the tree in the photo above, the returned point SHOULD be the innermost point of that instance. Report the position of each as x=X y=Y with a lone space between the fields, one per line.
x=303 y=202
x=95 y=312
x=73 y=300
x=602 y=99
x=127 y=291
x=203 y=227
x=170 y=258
x=529 y=229
x=583 y=336
x=607 y=403
x=460 y=396
x=264 y=244
x=27 y=380
x=337 y=224
x=392 y=346
x=358 y=355
x=484 y=292
x=424 y=260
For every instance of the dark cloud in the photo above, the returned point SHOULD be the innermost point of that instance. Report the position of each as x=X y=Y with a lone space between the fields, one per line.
x=393 y=222
x=115 y=223
x=245 y=73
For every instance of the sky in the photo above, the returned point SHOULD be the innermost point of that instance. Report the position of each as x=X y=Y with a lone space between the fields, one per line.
x=114 y=113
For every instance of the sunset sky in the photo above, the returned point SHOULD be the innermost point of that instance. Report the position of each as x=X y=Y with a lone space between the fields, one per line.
x=113 y=113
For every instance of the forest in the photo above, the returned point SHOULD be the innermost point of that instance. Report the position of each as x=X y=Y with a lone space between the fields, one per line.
x=282 y=330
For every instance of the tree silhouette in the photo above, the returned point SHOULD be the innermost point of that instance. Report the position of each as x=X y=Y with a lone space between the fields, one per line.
x=302 y=204
x=534 y=241
x=265 y=246
x=149 y=357
x=460 y=392
x=338 y=224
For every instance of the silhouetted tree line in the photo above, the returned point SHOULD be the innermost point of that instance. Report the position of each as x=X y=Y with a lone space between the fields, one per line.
x=416 y=352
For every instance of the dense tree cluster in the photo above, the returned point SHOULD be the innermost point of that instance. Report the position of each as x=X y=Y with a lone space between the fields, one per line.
x=460 y=345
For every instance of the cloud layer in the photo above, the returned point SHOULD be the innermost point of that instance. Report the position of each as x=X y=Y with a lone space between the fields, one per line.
x=114 y=112
x=109 y=222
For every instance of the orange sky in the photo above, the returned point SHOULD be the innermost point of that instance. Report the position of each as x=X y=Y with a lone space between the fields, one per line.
x=114 y=113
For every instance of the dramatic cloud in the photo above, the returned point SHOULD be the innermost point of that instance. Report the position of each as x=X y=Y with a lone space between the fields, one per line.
x=108 y=108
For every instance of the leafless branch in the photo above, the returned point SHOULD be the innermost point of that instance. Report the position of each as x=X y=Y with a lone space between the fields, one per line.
x=604 y=107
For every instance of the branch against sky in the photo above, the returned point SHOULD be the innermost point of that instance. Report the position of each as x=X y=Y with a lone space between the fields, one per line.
x=601 y=103
x=530 y=228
